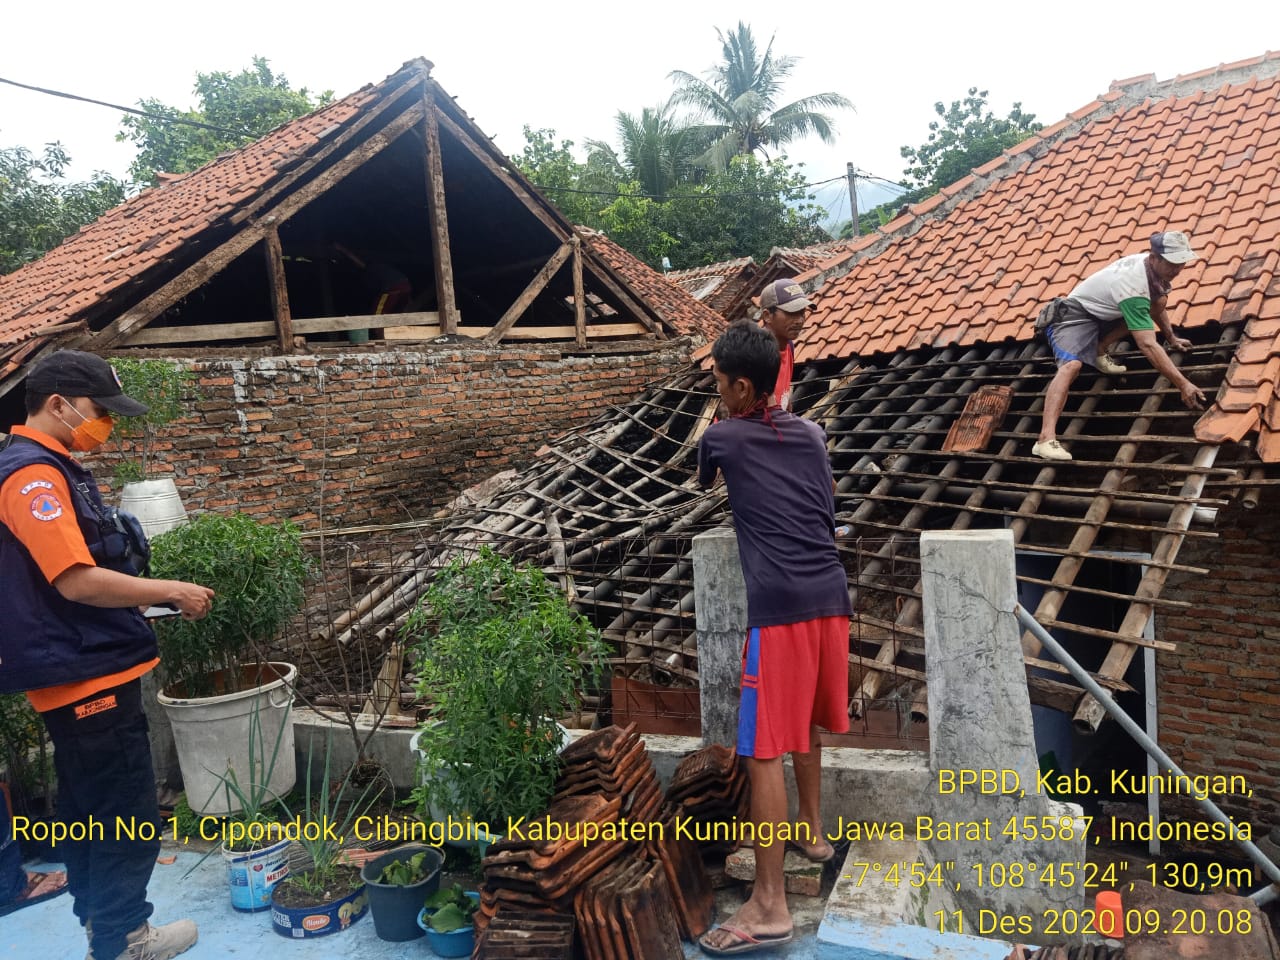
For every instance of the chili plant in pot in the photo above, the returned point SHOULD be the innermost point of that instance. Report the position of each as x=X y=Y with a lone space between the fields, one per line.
x=212 y=680
x=500 y=653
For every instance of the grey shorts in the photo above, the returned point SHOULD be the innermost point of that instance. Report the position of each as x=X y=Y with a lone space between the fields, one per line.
x=1074 y=334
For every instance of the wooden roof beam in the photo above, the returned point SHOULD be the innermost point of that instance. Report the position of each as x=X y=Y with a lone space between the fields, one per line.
x=217 y=259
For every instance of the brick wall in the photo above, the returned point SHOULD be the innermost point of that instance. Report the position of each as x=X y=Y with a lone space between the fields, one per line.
x=1219 y=692
x=362 y=438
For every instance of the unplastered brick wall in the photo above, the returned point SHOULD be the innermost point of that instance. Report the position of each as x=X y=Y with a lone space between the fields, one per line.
x=376 y=437
x=1219 y=695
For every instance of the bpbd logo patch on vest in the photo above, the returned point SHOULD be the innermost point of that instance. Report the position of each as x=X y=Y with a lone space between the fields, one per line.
x=45 y=507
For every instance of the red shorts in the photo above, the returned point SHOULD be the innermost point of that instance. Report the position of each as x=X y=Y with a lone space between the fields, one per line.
x=794 y=676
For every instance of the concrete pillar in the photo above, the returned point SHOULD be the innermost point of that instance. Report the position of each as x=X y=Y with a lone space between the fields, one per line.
x=980 y=728
x=720 y=598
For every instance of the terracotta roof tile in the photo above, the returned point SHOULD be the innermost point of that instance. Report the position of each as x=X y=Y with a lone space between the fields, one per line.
x=94 y=264
x=673 y=304
x=1200 y=153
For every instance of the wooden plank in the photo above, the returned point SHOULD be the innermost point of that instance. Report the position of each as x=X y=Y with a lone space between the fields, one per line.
x=1090 y=713
x=437 y=214
x=424 y=326
x=548 y=220
x=279 y=290
x=217 y=259
x=535 y=287
x=579 y=306
x=367 y=116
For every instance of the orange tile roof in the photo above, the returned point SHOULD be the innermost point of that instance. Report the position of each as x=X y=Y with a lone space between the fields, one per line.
x=806 y=258
x=161 y=225
x=672 y=303
x=973 y=264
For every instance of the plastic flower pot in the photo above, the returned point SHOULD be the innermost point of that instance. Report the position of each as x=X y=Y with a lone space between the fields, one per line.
x=395 y=908
x=455 y=943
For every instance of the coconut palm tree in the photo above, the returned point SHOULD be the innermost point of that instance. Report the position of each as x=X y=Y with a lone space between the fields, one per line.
x=658 y=149
x=737 y=101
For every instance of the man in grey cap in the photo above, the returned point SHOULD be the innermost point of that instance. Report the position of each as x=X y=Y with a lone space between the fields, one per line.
x=1134 y=289
x=783 y=306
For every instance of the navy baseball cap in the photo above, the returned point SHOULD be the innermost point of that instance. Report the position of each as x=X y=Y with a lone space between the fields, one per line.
x=74 y=373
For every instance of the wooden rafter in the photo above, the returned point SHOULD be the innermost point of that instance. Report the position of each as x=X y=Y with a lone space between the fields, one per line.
x=250 y=234
x=279 y=290
x=559 y=230
x=530 y=292
x=437 y=214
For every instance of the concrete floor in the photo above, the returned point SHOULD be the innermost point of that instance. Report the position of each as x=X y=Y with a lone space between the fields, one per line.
x=49 y=930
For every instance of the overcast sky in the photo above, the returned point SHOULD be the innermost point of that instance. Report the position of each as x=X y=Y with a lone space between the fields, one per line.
x=571 y=65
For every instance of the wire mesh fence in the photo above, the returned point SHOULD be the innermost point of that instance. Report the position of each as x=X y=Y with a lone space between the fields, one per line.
x=637 y=590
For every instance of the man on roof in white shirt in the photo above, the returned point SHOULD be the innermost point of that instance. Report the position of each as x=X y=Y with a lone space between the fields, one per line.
x=1135 y=289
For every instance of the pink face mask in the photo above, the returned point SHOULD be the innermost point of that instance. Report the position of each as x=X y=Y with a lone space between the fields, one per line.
x=90 y=434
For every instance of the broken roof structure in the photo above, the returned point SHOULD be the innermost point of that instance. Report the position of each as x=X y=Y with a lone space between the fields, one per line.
x=242 y=252
x=914 y=323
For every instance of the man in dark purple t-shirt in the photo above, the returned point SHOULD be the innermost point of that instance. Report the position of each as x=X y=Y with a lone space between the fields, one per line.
x=796 y=658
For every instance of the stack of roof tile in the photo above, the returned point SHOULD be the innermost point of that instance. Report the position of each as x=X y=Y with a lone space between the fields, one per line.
x=628 y=914
x=514 y=933
x=711 y=788
x=607 y=853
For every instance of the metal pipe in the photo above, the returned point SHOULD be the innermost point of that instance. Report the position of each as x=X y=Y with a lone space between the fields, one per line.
x=1030 y=623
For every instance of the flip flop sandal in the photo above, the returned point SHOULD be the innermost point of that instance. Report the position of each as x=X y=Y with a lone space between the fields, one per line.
x=805 y=853
x=746 y=943
x=40 y=886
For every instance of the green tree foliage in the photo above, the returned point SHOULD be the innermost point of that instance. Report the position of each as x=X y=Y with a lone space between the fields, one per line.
x=747 y=209
x=244 y=106
x=967 y=136
x=659 y=150
x=738 y=101
x=579 y=190
x=39 y=209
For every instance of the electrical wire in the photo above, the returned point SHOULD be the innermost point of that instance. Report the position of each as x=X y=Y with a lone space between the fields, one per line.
x=685 y=196
x=594 y=193
x=141 y=113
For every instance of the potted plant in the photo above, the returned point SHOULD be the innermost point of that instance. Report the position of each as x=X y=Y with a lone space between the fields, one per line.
x=397 y=883
x=212 y=683
x=500 y=654
x=448 y=919
x=160 y=385
x=329 y=895
x=254 y=847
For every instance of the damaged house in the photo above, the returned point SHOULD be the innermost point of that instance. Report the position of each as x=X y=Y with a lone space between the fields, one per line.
x=1155 y=545
x=380 y=310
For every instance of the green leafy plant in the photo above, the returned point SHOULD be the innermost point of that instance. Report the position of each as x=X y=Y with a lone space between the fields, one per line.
x=328 y=808
x=450 y=909
x=160 y=384
x=500 y=654
x=26 y=762
x=256 y=571
x=405 y=873
x=258 y=804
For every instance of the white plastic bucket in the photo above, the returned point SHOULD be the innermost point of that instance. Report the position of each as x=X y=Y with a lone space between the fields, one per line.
x=252 y=875
x=212 y=736
x=155 y=503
